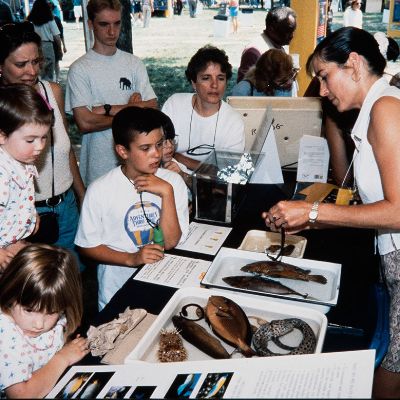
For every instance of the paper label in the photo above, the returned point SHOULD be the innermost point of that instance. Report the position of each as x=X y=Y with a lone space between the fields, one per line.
x=313 y=159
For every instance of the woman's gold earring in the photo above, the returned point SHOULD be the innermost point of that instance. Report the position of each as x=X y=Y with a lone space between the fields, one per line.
x=356 y=76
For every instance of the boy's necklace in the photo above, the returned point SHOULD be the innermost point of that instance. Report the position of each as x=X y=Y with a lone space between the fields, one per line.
x=151 y=223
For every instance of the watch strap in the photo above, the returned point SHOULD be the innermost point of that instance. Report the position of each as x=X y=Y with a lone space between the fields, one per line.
x=313 y=215
x=107 y=108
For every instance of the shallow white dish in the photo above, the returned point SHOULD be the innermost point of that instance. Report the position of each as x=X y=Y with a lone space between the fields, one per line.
x=265 y=308
x=260 y=241
x=229 y=261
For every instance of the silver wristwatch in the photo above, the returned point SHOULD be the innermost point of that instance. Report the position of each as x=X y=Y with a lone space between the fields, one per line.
x=313 y=215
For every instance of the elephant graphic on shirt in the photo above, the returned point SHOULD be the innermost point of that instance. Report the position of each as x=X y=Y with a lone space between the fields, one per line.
x=125 y=84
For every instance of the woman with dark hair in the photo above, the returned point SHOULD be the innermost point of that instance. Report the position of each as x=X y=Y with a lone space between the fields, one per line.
x=349 y=65
x=20 y=63
x=42 y=18
x=273 y=75
x=203 y=121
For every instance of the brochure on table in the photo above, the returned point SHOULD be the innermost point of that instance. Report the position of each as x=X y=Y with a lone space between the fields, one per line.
x=326 y=375
x=174 y=271
x=204 y=238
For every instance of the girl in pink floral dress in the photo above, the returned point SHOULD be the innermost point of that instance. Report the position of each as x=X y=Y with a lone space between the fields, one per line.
x=25 y=120
x=40 y=308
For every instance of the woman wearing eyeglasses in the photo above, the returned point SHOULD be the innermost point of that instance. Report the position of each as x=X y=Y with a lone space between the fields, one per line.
x=20 y=63
x=273 y=75
x=352 y=15
x=203 y=121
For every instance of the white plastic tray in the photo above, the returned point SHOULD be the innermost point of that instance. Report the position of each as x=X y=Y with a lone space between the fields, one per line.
x=229 y=261
x=265 y=308
x=260 y=241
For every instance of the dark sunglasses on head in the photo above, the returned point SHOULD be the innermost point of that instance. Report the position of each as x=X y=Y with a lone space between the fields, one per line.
x=18 y=28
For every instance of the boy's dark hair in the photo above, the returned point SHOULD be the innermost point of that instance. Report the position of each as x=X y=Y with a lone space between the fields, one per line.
x=132 y=121
x=205 y=55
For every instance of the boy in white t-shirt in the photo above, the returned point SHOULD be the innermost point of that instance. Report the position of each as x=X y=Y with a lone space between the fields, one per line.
x=124 y=209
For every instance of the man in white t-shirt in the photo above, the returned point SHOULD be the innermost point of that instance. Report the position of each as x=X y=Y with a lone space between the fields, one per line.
x=100 y=83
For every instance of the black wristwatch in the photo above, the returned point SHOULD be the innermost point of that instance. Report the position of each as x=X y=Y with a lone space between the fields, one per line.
x=107 y=108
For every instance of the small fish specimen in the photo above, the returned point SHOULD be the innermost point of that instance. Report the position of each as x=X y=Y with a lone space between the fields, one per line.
x=199 y=337
x=279 y=269
x=259 y=284
x=274 y=330
x=229 y=322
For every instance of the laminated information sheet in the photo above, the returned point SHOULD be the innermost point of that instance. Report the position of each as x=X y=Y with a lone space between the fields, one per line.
x=204 y=238
x=326 y=375
x=174 y=271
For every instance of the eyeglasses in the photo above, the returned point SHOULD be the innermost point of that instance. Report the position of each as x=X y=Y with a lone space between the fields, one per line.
x=292 y=77
x=18 y=28
x=170 y=142
x=201 y=150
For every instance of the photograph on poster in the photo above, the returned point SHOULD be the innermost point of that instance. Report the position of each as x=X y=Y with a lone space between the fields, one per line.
x=326 y=375
x=95 y=385
x=117 y=392
x=215 y=385
x=142 y=392
x=182 y=386
x=73 y=385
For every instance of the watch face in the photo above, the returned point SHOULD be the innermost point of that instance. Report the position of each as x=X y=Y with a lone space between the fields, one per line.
x=313 y=214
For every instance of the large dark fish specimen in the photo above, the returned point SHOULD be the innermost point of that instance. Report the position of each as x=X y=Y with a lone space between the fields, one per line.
x=199 y=337
x=279 y=269
x=259 y=284
x=230 y=323
x=275 y=329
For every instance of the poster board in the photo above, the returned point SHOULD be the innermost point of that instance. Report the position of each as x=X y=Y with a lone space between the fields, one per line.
x=293 y=118
x=327 y=375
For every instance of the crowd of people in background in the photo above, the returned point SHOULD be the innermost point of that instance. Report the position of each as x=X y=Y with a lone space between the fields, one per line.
x=136 y=162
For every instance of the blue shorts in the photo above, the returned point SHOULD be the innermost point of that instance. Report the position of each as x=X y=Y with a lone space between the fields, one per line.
x=233 y=11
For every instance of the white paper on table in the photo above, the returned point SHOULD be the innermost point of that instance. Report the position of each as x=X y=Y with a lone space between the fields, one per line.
x=174 y=271
x=325 y=375
x=313 y=159
x=204 y=238
x=268 y=169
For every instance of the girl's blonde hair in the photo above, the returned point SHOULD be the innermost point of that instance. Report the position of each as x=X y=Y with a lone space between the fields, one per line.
x=272 y=67
x=45 y=279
